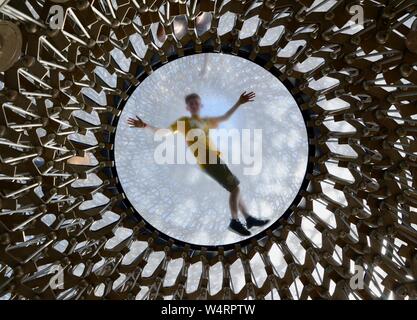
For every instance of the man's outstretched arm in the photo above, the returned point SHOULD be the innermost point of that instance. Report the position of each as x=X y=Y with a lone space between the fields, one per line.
x=244 y=98
x=139 y=123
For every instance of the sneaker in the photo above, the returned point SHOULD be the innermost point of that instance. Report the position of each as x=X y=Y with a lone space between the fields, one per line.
x=238 y=227
x=254 y=222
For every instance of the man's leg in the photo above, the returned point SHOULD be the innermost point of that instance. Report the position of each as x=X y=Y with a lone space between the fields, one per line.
x=250 y=221
x=221 y=173
x=233 y=202
x=242 y=207
x=235 y=225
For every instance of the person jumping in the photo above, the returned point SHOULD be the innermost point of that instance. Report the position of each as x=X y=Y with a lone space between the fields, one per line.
x=217 y=169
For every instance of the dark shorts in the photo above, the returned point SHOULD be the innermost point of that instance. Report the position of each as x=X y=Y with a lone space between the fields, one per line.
x=222 y=174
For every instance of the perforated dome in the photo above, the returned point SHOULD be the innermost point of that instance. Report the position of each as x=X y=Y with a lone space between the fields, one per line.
x=63 y=98
x=195 y=209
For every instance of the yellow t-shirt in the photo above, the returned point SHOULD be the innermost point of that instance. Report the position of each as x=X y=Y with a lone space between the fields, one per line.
x=196 y=133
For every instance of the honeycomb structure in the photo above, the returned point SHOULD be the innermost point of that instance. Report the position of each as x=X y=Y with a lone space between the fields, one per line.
x=353 y=65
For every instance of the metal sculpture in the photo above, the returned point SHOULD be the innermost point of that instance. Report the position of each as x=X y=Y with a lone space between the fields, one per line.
x=46 y=221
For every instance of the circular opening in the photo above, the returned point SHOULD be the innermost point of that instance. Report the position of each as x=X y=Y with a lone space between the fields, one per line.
x=266 y=148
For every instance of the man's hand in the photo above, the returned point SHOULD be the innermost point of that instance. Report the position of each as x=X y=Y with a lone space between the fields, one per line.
x=246 y=97
x=137 y=123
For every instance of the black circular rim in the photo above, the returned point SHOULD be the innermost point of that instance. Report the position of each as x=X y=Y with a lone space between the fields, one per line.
x=300 y=99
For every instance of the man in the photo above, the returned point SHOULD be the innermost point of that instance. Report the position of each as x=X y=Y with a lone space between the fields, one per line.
x=216 y=169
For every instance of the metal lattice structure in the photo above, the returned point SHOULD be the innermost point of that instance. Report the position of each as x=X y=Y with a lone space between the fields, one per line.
x=47 y=219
